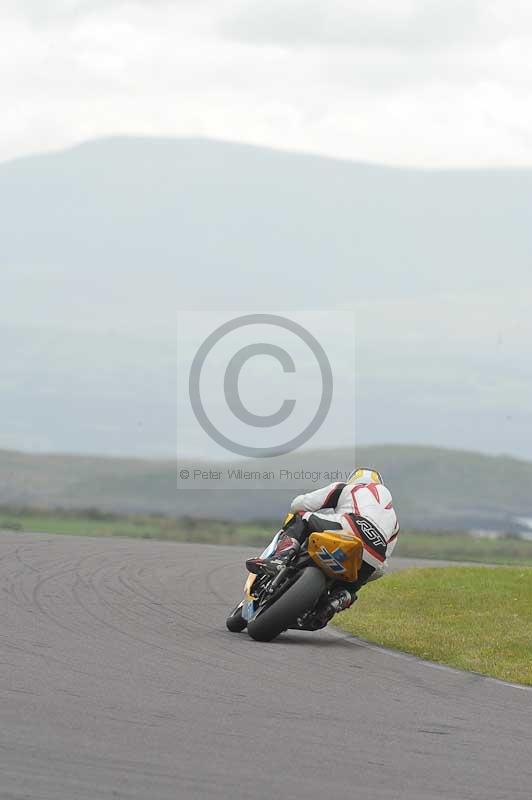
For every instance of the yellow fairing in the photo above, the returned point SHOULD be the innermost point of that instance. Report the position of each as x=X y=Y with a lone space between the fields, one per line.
x=337 y=553
x=249 y=584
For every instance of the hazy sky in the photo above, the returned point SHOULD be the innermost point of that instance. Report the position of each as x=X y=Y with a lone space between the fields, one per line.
x=424 y=82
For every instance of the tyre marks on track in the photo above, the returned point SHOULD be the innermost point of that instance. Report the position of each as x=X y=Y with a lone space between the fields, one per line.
x=119 y=680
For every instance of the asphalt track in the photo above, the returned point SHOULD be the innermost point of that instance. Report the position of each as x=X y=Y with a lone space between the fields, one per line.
x=119 y=680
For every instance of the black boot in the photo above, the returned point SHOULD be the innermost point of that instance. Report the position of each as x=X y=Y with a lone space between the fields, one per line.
x=340 y=600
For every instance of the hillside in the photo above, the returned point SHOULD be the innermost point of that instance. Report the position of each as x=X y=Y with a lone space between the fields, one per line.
x=433 y=488
x=104 y=243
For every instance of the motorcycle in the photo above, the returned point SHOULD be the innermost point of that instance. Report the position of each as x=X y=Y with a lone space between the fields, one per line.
x=288 y=593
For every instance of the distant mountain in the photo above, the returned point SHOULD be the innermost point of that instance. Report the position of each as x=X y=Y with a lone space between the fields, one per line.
x=432 y=488
x=118 y=220
x=102 y=243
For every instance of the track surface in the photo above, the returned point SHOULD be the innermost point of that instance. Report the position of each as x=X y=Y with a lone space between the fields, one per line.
x=119 y=680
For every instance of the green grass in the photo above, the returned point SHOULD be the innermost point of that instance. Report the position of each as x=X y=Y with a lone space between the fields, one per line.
x=473 y=618
x=96 y=523
x=458 y=547
x=440 y=545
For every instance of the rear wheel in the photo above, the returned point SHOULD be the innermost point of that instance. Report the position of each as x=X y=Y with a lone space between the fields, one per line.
x=235 y=622
x=297 y=599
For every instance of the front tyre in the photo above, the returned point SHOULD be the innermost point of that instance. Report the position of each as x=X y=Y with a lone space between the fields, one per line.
x=235 y=622
x=298 y=598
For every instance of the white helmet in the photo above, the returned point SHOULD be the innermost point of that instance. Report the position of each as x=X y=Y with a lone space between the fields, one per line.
x=365 y=475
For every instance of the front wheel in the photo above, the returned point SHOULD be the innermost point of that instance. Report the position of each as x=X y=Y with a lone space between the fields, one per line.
x=235 y=622
x=298 y=598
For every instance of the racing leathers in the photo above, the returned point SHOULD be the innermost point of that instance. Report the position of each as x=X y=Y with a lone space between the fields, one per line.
x=363 y=508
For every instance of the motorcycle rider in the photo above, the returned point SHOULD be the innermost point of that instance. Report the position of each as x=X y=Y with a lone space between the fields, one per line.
x=362 y=505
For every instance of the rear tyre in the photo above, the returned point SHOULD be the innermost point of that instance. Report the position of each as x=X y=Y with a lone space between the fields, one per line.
x=235 y=622
x=297 y=599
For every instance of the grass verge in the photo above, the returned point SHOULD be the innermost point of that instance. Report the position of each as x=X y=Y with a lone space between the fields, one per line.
x=461 y=547
x=97 y=523
x=92 y=522
x=471 y=618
